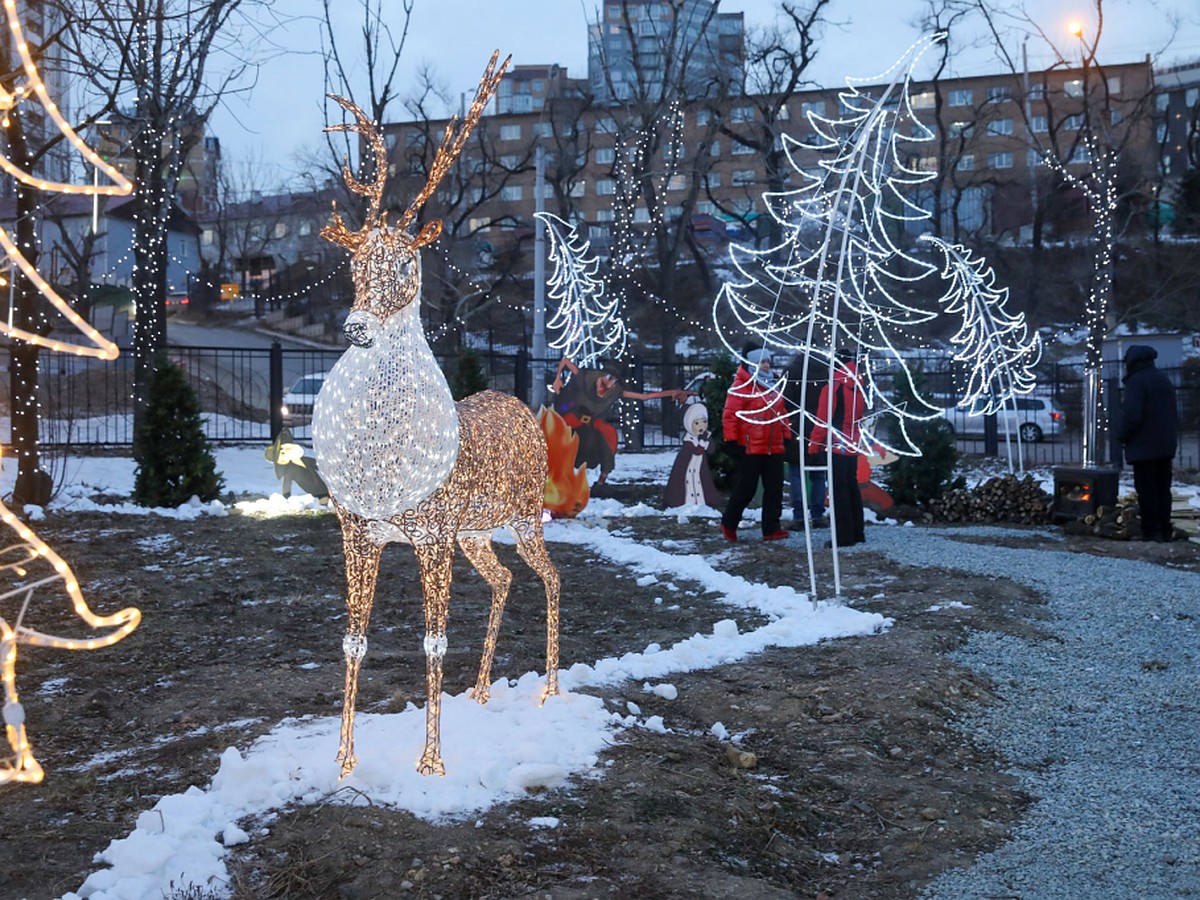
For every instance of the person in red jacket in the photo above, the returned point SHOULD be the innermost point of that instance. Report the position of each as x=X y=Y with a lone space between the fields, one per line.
x=755 y=423
x=844 y=410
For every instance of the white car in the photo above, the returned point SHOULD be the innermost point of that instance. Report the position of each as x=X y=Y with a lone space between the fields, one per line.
x=1033 y=418
x=298 y=402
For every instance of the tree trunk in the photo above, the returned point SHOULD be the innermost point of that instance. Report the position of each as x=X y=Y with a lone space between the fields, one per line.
x=149 y=275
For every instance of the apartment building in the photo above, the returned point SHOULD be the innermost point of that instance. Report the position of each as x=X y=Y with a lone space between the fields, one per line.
x=1177 y=105
x=995 y=141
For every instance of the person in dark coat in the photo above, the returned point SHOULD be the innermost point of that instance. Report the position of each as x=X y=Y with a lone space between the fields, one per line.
x=1149 y=433
x=755 y=425
x=836 y=431
x=812 y=474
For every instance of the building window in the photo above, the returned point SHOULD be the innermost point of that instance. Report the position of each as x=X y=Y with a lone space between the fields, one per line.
x=597 y=233
x=547 y=191
x=1037 y=92
x=1114 y=85
x=1038 y=124
x=715 y=149
x=713 y=179
x=1000 y=126
x=510 y=132
x=816 y=107
x=1161 y=102
x=743 y=177
x=998 y=93
x=605 y=156
x=785 y=114
x=673 y=151
x=1160 y=133
x=740 y=149
x=607 y=125
x=478 y=224
x=923 y=100
x=703 y=117
x=742 y=114
x=1073 y=87
x=1035 y=159
x=280 y=230
x=510 y=161
x=960 y=129
x=965 y=163
x=306 y=228
x=1190 y=96
x=641 y=215
x=1074 y=123
x=678 y=183
x=706 y=208
x=604 y=215
x=605 y=187
x=1081 y=154
x=926 y=164
x=1114 y=117
x=543 y=129
x=208 y=237
x=1000 y=160
x=961 y=97
x=510 y=192
x=578 y=188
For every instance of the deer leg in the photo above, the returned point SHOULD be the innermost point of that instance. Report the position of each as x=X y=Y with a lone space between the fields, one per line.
x=483 y=557
x=24 y=766
x=435 y=561
x=532 y=547
x=362 y=572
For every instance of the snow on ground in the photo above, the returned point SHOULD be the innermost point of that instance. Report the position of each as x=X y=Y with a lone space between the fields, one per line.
x=184 y=837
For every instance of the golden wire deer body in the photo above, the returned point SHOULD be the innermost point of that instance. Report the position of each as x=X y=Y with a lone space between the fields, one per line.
x=404 y=463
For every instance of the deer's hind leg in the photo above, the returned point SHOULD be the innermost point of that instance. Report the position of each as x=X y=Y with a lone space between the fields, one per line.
x=532 y=547
x=23 y=766
x=483 y=557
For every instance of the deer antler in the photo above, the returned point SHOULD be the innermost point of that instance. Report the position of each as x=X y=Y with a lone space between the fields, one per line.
x=336 y=231
x=453 y=142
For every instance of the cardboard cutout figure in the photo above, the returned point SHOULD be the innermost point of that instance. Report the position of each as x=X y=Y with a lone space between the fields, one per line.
x=691 y=482
x=583 y=404
x=292 y=466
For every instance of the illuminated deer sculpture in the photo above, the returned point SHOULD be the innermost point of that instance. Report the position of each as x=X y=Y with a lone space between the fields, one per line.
x=404 y=463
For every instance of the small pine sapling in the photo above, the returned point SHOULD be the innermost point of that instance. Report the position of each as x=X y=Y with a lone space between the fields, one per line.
x=469 y=377
x=174 y=458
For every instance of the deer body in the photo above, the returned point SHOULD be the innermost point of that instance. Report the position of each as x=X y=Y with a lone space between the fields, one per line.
x=405 y=464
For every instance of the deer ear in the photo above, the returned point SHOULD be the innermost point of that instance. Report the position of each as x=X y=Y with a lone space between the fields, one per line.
x=430 y=233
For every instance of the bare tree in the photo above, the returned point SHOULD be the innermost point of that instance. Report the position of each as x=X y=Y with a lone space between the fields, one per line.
x=172 y=61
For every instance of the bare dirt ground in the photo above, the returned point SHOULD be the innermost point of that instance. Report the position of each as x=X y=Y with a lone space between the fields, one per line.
x=862 y=787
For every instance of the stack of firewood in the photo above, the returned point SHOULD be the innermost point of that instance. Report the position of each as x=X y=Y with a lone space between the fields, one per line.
x=1121 y=522
x=1005 y=498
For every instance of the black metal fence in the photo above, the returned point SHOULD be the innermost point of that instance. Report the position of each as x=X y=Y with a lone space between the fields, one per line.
x=87 y=402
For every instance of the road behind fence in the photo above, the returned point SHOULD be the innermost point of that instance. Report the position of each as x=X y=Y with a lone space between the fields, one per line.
x=86 y=402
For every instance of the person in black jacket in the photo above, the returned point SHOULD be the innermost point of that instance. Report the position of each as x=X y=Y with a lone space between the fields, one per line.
x=1149 y=433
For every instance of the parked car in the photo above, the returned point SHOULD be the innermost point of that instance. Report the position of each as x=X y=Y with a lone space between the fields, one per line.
x=1033 y=418
x=298 y=401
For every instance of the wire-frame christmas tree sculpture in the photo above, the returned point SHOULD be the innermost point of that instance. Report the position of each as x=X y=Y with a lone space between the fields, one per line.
x=587 y=320
x=995 y=346
x=405 y=464
x=829 y=292
x=30 y=564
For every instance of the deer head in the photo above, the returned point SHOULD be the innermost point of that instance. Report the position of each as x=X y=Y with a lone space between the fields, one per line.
x=386 y=261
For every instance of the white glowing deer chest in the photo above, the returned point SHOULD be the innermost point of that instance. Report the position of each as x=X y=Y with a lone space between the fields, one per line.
x=384 y=428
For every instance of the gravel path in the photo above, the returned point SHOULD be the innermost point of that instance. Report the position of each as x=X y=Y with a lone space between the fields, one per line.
x=1101 y=722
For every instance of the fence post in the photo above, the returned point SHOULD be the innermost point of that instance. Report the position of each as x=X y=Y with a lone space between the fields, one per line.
x=276 y=388
x=521 y=375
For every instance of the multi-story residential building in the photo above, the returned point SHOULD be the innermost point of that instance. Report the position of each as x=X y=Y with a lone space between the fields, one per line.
x=658 y=36
x=526 y=89
x=196 y=191
x=994 y=140
x=1177 y=103
x=271 y=243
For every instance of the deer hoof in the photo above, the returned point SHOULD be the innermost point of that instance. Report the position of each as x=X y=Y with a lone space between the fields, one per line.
x=550 y=690
x=481 y=694
x=348 y=761
x=430 y=764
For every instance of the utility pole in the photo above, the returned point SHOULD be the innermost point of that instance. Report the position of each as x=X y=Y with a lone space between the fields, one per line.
x=538 y=362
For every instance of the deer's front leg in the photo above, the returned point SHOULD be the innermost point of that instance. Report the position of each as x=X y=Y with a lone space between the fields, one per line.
x=362 y=571
x=435 y=561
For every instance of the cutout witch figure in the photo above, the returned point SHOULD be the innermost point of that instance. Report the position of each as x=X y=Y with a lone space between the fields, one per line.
x=584 y=403
x=691 y=481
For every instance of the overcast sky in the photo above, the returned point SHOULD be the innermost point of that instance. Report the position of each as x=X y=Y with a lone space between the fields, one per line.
x=282 y=114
